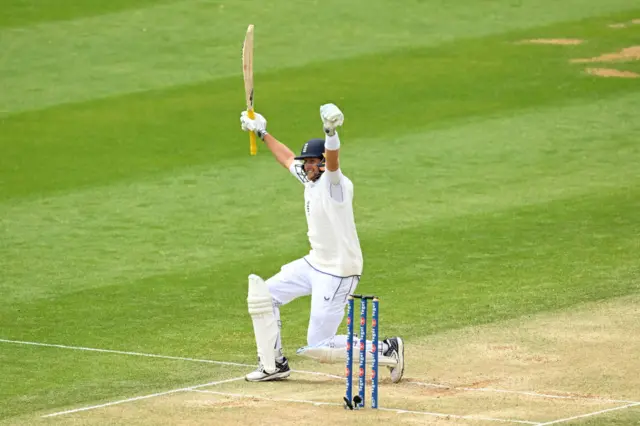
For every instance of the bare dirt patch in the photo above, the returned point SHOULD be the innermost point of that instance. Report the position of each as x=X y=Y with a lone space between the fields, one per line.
x=610 y=72
x=625 y=55
x=625 y=24
x=577 y=347
x=540 y=368
x=557 y=41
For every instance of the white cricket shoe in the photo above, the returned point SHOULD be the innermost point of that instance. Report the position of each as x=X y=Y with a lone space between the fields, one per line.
x=396 y=351
x=259 y=375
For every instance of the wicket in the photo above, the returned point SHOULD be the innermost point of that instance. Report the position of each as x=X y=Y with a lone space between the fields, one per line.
x=358 y=401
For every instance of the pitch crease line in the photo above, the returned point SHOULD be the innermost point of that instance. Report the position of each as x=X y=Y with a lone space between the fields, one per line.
x=595 y=413
x=138 y=398
x=528 y=393
x=395 y=410
x=178 y=358
x=82 y=348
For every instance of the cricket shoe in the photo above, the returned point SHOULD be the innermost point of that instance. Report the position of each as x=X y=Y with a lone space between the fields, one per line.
x=396 y=351
x=259 y=375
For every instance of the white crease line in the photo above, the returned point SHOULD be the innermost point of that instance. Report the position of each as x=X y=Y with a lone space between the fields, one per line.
x=240 y=395
x=137 y=398
x=395 y=410
x=20 y=342
x=528 y=393
x=333 y=376
x=589 y=414
x=454 y=416
x=81 y=348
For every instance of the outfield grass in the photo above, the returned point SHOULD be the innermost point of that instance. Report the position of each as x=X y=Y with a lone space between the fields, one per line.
x=493 y=179
x=188 y=42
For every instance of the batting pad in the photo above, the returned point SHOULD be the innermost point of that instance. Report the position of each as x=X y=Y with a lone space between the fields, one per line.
x=265 y=326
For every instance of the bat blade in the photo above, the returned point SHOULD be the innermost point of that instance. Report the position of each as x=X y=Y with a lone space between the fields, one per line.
x=247 y=70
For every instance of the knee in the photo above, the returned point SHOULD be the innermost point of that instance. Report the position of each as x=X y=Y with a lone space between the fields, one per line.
x=320 y=333
x=258 y=299
x=315 y=340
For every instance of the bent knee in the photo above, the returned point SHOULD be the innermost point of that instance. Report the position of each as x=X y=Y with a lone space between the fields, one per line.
x=316 y=341
x=321 y=332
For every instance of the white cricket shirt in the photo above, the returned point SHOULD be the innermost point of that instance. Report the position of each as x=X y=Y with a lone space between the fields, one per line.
x=335 y=247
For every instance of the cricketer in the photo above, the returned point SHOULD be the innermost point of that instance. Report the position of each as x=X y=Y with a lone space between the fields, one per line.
x=328 y=273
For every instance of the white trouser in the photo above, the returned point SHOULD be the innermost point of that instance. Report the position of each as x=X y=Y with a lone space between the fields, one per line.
x=328 y=300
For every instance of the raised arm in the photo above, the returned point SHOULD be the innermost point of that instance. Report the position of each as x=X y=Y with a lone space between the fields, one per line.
x=332 y=152
x=280 y=151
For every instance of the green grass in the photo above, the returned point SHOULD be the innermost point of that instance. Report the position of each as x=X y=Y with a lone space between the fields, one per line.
x=17 y=13
x=186 y=42
x=474 y=269
x=136 y=134
x=625 y=417
x=493 y=180
x=98 y=376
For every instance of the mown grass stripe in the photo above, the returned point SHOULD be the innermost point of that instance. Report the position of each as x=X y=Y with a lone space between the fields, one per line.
x=191 y=41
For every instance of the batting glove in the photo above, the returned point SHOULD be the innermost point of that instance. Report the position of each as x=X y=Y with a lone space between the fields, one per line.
x=332 y=117
x=257 y=124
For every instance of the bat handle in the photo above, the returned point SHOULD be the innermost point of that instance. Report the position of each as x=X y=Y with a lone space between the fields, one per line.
x=253 y=147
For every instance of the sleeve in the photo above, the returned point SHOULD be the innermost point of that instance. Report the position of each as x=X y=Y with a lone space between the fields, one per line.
x=294 y=172
x=336 y=183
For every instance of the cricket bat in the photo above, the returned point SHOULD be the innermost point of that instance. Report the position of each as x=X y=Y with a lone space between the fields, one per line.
x=247 y=70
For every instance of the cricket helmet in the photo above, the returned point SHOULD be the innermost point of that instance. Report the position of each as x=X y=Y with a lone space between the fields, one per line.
x=313 y=148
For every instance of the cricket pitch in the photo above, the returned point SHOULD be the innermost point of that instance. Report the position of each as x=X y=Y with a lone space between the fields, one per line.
x=550 y=368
